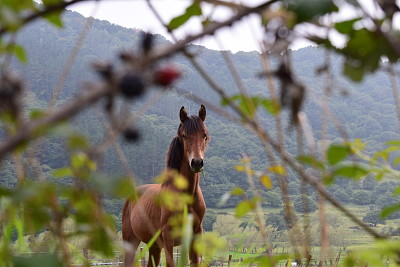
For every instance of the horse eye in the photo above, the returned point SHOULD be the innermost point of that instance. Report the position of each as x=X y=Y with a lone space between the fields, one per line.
x=205 y=136
x=184 y=135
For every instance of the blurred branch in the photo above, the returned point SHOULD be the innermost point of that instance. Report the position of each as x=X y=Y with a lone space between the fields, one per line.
x=225 y=3
x=180 y=45
x=41 y=13
x=33 y=129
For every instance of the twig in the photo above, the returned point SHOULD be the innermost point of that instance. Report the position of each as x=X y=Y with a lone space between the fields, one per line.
x=395 y=91
x=313 y=181
x=70 y=61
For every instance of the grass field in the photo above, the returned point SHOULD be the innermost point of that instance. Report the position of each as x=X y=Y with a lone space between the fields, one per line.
x=247 y=244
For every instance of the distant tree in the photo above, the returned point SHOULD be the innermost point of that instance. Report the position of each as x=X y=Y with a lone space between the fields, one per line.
x=361 y=197
x=395 y=232
x=386 y=200
x=304 y=203
x=273 y=199
x=209 y=219
x=339 y=237
x=228 y=227
x=277 y=221
x=342 y=195
x=369 y=183
x=373 y=217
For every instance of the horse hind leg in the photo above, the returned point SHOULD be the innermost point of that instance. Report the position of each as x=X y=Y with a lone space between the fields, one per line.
x=131 y=242
x=130 y=247
x=154 y=256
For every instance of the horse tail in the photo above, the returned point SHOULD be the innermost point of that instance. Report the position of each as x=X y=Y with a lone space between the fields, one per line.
x=126 y=221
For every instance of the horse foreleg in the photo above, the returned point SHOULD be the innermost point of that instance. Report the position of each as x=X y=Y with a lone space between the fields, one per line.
x=193 y=254
x=168 y=246
x=154 y=256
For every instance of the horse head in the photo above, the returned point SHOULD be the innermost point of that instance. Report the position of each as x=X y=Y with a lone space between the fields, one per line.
x=193 y=135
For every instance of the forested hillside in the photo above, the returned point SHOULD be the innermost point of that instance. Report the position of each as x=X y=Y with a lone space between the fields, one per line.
x=366 y=110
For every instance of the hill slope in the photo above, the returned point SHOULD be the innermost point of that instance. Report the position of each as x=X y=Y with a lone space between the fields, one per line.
x=368 y=111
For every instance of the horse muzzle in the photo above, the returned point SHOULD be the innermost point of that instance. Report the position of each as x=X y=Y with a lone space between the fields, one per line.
x=197 y=165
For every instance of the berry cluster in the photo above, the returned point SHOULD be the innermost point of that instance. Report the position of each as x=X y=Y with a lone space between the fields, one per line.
x=133 y=80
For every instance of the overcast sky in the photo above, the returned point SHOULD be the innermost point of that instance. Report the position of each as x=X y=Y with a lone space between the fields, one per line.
x=243 y=36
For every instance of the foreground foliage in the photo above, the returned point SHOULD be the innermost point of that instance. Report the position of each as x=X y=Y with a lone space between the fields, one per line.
x=68 y=203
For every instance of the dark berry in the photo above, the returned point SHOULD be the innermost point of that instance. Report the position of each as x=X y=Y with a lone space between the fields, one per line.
x=147 y=42
x=104 y=70
x=166 y=75
x=131 y=85
x=131 y=134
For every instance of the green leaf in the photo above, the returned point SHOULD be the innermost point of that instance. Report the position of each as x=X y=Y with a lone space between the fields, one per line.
x=271 y=106
x=249 y=105
x=77 y=141
x=278 y=169
x=54 y=18
x=79 y=160
x=63 y=172
x=266 y=181
x=393 y=143
x=48 y=260
x=19 y=226
x=328 y=179
x=389 y=210
x=36 y=114
x=385 y=154
x=180 y=182
x=357 y=145
x=243 y=208
x=5 y=192
x=307 y=10
x=20 y=53
x=346 y=27
x=237 y=191
x=193 y=10
x=100 y=241
x=240 y=168
x=337 y=153
x=396 y=191
x=311 y=161
x=51 y=2
x=364 y=51
x=352 y=171
x=353 y=71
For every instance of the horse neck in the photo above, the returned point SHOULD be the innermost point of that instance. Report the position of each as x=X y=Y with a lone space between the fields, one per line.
x=192 y=178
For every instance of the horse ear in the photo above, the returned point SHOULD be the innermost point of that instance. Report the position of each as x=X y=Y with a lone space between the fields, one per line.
x=183 y=114
x=202 y=113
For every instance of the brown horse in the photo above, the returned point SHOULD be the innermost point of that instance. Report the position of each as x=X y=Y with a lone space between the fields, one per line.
x=143 y=218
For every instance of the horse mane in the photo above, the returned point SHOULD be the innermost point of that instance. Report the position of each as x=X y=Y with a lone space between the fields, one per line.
x=174 y=154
